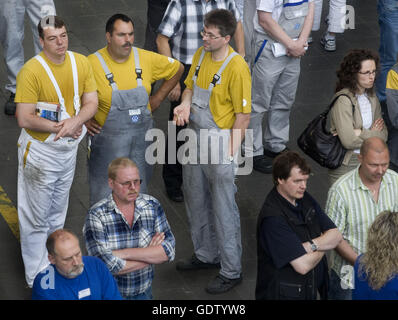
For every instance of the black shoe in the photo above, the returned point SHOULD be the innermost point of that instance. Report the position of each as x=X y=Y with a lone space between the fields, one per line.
x=272 y=154
x=194 y=263
x=221 y=284
x=175 y=195
x=10 y=106
x=262 y=164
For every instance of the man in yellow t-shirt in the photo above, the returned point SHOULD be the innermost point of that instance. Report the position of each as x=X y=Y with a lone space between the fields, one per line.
x=55 y=95
x=124 y=75
x=217 y=100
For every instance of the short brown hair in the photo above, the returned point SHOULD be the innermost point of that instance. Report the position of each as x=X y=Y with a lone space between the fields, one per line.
x=49 y=21
x=118 y=163
x=222 y=19
x=285 y=162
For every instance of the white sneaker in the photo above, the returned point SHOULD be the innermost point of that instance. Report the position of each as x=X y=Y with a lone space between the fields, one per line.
x=329 y=44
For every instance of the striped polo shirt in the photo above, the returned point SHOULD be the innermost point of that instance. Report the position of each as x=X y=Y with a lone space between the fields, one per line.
x=351 y=207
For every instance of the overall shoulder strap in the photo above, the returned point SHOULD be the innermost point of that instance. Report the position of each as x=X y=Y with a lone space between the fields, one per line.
x=108 y=73
x=52 y=78
x=76 y=97
x=217 y=76
x=195 y=76
x=138 y=70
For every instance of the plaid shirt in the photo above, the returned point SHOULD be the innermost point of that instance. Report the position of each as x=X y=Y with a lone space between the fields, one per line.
x=106 y=229
x=183 y=22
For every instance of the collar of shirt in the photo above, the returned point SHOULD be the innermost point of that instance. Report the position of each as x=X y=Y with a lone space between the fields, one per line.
x=356 y=182
x=140 y=205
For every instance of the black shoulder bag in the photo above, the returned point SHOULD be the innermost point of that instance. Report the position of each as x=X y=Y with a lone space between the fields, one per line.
x=319 y=144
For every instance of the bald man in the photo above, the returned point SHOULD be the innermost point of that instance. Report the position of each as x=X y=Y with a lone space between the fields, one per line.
x=353 y=203
x=70 y=276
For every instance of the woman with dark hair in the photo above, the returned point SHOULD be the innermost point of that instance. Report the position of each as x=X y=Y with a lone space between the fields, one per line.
x=356 y=115
x=376 y=271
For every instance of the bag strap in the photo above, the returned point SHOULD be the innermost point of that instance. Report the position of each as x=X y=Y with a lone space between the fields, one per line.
x=334 y=100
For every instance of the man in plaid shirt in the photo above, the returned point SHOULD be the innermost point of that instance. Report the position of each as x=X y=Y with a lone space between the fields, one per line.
x=182 y=24
x=129 y=232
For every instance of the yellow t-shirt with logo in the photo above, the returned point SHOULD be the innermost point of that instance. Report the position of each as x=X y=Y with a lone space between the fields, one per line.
x=154 y=67
x=233 y=92
x=34 y=85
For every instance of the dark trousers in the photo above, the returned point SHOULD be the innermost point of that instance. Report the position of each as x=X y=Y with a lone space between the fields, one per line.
x=156 y=10
x=172 y=173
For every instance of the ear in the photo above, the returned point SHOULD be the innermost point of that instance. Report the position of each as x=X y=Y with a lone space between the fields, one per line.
x=110 y=183
x=227 y=38
x=360 y=158
x=41 y=42
x=108 y=37
x=51 y=259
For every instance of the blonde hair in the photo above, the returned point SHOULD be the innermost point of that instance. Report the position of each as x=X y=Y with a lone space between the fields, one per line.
x=380 y=262
x=118 y=163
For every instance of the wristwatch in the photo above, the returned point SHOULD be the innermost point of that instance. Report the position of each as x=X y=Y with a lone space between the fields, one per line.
x=314 y=247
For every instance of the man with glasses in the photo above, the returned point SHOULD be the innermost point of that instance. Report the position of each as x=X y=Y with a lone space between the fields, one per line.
x=217 y=101
x=179 y=37
x=129 y=231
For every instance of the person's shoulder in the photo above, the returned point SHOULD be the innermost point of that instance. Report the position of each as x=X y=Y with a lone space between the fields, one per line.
x=32 y=66
x=102 y=206
x=92 y=261
x=79 y=57
x=392 y=176
x=148 y=199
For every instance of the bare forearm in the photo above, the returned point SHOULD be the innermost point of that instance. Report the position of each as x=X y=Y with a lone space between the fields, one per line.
x=238 y=131
x=165 y=88
x=149 y=255
x=307 y=262
x=132 y=266
x=89 y=107
x=162 y=43
x=273 y=28
x=309 y=19
x=329 y=240
x=28 y=119
x=346 y=252
x=240 y=39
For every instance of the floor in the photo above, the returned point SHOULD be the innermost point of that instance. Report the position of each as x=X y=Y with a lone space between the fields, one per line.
x=85 y=21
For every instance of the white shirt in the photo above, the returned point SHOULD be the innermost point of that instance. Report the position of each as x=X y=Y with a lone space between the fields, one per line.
x=366 y=112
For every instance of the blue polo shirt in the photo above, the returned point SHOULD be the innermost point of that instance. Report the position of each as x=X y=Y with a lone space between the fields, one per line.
x=95 y=283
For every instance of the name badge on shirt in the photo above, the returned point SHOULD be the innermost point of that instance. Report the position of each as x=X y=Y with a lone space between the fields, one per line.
x=134 y=112
x=84 y=293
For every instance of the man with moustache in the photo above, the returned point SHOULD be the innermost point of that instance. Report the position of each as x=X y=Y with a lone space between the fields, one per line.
x=293 y=235
x=124 y=75
x=56 y=94
x=353 y=203
x=72 y=276
x=128 y=230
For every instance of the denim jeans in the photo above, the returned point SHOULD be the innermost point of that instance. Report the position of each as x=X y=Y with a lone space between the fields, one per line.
x=388 y=50
x=336 y=292
x=146 y=295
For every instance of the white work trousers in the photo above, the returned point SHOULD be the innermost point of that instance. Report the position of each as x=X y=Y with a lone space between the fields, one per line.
x=336 y=18
x=45 y=175
x=12 y=14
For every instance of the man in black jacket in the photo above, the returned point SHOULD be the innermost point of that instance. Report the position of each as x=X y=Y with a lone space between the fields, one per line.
x=293 y=234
